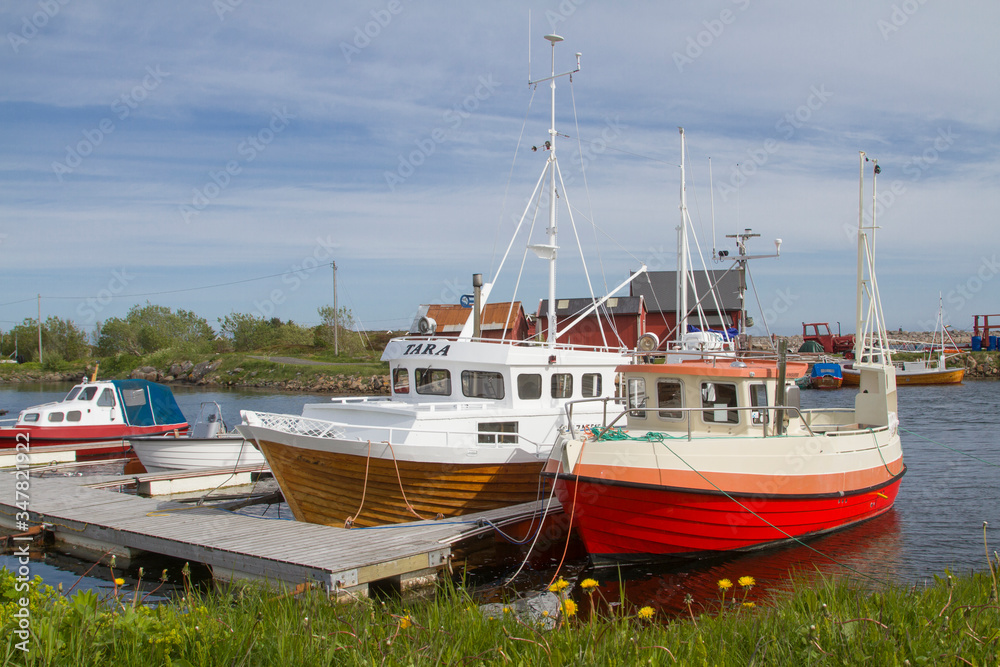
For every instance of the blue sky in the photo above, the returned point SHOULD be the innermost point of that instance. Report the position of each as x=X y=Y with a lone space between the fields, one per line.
x=147 y=149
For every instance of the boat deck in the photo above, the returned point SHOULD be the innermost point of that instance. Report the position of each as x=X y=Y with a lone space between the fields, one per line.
x=237 y=546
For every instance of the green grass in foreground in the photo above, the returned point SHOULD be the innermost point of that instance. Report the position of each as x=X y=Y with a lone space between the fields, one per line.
x=955 y=621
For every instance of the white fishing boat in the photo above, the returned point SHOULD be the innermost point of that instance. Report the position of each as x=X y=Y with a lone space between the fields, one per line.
x=207 y=445
x=469 y=421
x=715 y=455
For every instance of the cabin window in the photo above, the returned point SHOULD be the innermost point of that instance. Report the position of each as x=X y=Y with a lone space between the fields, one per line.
x=88 y=394
x=562 y=385
x=55 y=416
x=73 y=416
x=591 y=385
x=529 y=386
x=482 y=384
x=31 y=417
x=718 y=396
x=433 y=381
x=637 y=397
x=72 y=393
x=669 y=394
x=133 y=397
x=107 y=399
x=758 y=401
x=400 y=380
x=491 y=433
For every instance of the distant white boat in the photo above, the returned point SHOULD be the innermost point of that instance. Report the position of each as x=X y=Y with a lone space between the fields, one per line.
x=207 y=445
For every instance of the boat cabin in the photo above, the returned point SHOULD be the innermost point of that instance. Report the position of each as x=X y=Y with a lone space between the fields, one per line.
x=102 y=403
x=708 y=396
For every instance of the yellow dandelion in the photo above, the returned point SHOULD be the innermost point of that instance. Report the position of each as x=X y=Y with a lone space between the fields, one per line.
x=725 y=584
x=568 y=607
x=119 y=582
x=587 y=584
x=405 y=622
x=746 y=581
x=506 y=610
x=647 y=612
x=559 y=585
x=750 y=604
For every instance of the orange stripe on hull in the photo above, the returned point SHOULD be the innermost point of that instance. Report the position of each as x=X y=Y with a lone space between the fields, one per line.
x=746 y=483
x=328 y=488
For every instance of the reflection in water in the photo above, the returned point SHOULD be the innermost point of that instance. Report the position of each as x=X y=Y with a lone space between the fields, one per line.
x=866 y=553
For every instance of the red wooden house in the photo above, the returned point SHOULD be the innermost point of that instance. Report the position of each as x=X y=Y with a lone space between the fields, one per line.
x=621 y=319
x=499 y=320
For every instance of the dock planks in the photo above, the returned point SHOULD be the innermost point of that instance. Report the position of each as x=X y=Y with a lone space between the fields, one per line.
x=239 y=546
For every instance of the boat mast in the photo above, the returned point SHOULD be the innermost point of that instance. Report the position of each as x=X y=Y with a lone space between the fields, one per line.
x=550 y=250
x=682 y=263
x=860 y=334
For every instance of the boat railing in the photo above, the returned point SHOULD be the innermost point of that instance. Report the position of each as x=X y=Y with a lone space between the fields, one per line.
x=517 y=343
x=320 y=428
x=768 y=410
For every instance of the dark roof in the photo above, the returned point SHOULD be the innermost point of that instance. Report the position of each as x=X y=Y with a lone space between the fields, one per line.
x=659 y=288
x=620 y=305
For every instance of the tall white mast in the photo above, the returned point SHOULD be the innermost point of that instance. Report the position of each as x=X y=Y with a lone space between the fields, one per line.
x=682 y=259
x=550 y=250
x=859 y=336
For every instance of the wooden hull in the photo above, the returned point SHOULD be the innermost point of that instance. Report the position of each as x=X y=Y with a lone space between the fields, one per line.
x=826 y=382
x=949 y=376
x=330 y=487
x=641 y=522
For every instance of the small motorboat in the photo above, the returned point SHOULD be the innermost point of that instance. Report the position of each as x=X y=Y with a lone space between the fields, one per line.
x=826 y=375
x=96 y=411
x=208 y=445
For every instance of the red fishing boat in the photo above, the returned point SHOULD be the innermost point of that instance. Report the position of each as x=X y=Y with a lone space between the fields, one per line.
x=715 y=455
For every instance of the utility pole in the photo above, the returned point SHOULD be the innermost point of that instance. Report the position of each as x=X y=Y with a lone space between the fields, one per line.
x=39 y=328
x=336 y=313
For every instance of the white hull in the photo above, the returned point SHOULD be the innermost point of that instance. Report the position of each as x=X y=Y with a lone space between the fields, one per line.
x=169 y=453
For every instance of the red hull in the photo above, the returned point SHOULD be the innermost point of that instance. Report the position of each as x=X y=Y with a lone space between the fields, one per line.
x=621 y=523
x=44 y=436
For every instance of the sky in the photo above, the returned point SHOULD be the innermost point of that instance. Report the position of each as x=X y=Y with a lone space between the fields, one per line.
x=218 y=156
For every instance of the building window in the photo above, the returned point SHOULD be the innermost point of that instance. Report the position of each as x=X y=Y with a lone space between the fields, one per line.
x=433 y=381
x=529 y=386
x=562 y=385
x=482 y=384
x=498 y=432
x=637 y=398
x=55 y=416
x=718 y=396
x=591 y=385
x=400 y=380
x=669 y=394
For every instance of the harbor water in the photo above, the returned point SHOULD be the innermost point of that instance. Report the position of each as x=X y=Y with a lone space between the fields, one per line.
x=951 y=488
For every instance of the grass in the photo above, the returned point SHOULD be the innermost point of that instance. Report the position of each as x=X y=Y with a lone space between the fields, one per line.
x=956 y=620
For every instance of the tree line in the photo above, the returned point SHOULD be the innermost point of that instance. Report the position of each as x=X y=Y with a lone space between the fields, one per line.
x=150 y=328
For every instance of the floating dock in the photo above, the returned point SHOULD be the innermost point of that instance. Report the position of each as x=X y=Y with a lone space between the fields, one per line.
x=237 y=546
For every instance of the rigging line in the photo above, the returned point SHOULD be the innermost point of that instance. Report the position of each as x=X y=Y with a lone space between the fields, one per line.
x=770 y=341
x=788 y=535
x=510 y=177
x=586 y=187
x=606 y=235
x=941 y=444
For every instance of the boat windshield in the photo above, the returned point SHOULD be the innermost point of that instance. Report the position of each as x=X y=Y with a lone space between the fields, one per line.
x=87 y=394
x=72 y=393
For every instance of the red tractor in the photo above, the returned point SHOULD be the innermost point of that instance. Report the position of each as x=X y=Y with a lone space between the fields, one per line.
x=831 y=344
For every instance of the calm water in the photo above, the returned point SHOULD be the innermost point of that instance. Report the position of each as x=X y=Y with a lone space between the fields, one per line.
x=952 y=452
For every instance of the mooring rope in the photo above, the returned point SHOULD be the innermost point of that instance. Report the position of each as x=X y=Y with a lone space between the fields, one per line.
x=957 y=451
x=349 y=522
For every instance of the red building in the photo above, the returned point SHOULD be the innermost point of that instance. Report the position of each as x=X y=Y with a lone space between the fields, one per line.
x=622 y=320
x=659 y=289
x=499 y=320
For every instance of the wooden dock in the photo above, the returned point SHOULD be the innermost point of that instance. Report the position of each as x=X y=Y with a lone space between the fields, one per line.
x=237 y=546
